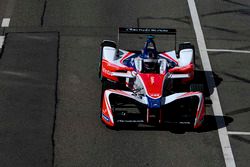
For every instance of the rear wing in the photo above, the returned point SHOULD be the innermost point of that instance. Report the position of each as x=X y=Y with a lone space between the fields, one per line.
x=149 y=31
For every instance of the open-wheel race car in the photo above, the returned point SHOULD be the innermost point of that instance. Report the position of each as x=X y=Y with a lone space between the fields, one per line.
x=149 y=86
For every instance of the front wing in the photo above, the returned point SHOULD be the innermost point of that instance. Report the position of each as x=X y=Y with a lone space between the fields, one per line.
x=174 y=106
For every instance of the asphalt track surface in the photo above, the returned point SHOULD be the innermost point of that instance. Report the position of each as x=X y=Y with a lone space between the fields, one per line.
x=50 y=91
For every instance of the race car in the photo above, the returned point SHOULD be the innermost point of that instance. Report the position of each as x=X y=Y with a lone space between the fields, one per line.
x=149 y=86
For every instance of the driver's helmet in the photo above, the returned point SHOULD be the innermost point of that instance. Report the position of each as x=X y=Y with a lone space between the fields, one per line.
x=150 y=53
x=150 y=61
x=149 y=50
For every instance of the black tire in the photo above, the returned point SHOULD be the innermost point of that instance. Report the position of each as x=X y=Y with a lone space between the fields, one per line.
x=186 y=46
x=104 y=43
x=108 y=43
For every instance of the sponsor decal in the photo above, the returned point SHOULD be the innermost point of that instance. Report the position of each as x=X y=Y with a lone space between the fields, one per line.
x=155 y=94
x=104 y=70
x=152 y=80
x=148 y=30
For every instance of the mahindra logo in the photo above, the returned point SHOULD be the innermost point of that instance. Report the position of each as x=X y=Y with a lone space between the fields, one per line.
x=106 y=71
x=155 y=94
x=152 y=80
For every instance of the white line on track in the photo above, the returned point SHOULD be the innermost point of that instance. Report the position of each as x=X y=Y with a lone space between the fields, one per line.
x=5 y=22
x=222 y=130
x=238 y=133
x=1 y=41
x=228 y=50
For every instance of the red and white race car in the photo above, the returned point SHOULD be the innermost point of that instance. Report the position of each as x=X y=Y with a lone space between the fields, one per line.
x=148 y=86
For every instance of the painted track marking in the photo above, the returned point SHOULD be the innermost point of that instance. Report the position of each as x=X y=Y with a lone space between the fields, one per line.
x=5 y=22
x=1 y=41
x=223 y=134
x=228 y=50
x=238 y=133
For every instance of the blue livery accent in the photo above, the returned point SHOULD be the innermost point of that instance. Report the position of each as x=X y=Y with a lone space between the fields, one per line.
x=154 y=103
x=129 y=61
x=105 y=117
x=147 y=49
x=170 y=62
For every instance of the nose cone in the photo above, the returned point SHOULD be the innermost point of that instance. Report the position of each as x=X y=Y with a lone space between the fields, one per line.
x=153 y=84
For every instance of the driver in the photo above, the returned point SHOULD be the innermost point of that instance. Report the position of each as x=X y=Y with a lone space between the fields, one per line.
x=150 y=62
x=149 y=56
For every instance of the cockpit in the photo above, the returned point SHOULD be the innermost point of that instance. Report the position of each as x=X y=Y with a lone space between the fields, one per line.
x=149 y=61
